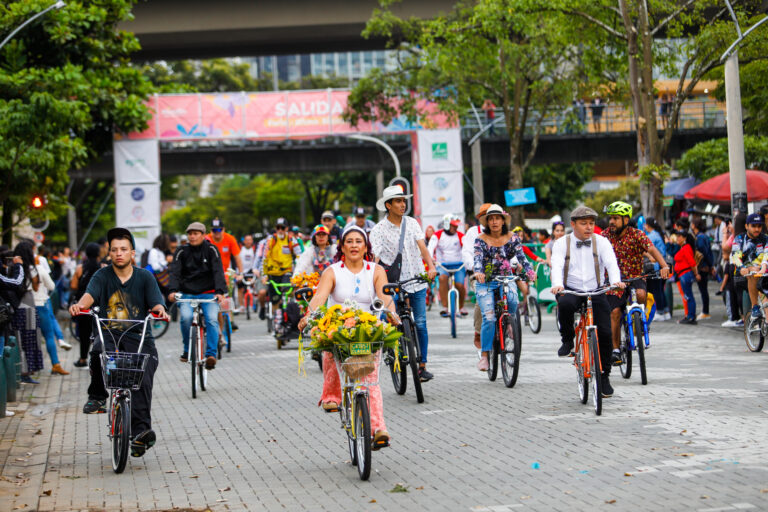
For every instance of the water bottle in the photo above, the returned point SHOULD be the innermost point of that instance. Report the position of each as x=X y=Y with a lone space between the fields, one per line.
x=111 y=365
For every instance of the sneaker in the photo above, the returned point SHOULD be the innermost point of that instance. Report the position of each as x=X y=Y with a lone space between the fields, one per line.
x=26 y=379
x=330 y=407
x=703 y=316
x=80 y=363
x=686 y=320
x=143 y=442
x=234 y=327
x=262 y=313
x=477 y=340
x=739 y=323
x=616 y=358
x=607 y=389
x=444 y=313
x=463 y=312
x=667 y=316
x=184 y=358
x=63 y=344
x=94 y=406
x=729 y=323
x=756 y=313
x=425 y=375
x=210 y=363
x=660 y=318
x=565 y=350
x=482 y=364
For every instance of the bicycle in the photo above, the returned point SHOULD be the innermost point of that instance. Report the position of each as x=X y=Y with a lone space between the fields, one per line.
x=635 y=333
x=197 y=342
x=279 y=317
x=409 y=351
x=453 y=296
x=248 y=282
x=227 y=307
x=587 y=351
x=756 y=329
x=122 y=372
x=507 y=337
x=532 y=313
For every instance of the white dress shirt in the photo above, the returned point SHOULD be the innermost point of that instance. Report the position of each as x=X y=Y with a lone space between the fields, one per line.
x=468 y=247
x=581 y=271
x=385 y=240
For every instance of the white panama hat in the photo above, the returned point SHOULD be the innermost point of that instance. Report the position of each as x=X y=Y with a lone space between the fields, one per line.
x=392 y=192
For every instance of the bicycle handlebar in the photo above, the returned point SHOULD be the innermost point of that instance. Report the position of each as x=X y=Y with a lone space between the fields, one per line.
x=180 y=298
x=598 y=291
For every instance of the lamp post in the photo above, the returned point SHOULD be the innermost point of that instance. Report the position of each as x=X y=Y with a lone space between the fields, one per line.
x=58 y=5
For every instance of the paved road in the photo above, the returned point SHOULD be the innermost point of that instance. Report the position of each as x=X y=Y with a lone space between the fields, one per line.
x=692 y=439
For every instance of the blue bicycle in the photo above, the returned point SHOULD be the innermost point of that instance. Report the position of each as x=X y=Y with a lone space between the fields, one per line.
x=634 y=333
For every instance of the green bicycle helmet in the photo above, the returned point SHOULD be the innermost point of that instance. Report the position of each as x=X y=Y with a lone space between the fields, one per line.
x=619 y=208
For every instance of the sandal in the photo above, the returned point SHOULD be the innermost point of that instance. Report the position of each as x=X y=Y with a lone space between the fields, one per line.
x=380 y=440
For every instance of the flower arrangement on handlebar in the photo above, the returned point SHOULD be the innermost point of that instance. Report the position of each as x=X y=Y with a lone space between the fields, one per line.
x=306 y=280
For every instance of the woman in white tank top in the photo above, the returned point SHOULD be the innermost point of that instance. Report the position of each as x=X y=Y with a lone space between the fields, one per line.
x=353 y=277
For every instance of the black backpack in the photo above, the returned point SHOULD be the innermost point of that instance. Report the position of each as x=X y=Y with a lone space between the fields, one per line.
x=144 y=259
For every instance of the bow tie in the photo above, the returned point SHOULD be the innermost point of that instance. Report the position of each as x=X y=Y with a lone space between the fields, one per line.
x=585 y=243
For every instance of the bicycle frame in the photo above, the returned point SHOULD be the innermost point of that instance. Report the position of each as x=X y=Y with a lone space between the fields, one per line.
x=585 y=326
x=502 y=308
x=197 y=312
x=452 y=290
x=635 y=306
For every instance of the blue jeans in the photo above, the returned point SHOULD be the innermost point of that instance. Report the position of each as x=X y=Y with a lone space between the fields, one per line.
x=46 y=327
x=211 y=314
x=56 y=327
x=686 y=283
x=484 y=292
x=418 y=302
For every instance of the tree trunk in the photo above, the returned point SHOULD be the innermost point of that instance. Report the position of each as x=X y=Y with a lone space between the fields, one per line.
x=515 y=182
x=7 y=230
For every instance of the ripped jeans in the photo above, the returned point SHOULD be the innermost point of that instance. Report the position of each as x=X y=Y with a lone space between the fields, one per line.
x=484 y=292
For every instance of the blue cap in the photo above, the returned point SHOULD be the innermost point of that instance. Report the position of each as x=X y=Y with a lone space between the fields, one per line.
x=754 y=218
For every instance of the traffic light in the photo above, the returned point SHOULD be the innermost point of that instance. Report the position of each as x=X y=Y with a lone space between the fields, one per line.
x=38 y=202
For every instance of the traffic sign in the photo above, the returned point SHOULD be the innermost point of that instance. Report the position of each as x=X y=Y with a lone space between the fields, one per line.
x=520 y=196
x=38 y=237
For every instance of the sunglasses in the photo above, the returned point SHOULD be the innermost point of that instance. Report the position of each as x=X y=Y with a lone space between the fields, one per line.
x=217 y=230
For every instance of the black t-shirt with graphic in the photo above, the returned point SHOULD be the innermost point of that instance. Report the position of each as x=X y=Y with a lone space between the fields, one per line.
x=131 y=300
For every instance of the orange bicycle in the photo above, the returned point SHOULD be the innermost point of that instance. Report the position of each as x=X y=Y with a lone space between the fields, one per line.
x=587 y=352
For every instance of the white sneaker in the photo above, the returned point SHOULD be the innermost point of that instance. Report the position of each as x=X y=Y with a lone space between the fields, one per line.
x=661 y=317
x=667 y=316
x=8 y=413
x=63 y=344
x=728 y=323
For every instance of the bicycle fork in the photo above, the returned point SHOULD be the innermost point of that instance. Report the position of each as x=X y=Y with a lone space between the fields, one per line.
x=631 y=330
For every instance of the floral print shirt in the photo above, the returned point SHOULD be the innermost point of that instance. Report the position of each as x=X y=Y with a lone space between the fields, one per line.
x=495 y=261
x=629 y=250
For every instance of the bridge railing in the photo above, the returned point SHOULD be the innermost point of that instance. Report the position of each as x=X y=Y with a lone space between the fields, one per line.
x=612 y=118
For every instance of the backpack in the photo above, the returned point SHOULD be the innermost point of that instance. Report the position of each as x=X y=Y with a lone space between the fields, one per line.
x=144 y=259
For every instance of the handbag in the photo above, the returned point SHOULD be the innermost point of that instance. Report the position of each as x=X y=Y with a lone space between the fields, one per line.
x=395 y=268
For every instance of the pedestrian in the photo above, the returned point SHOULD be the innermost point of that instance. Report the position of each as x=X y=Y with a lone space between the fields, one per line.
x=46 y=319
x=490 y=115
x=656 y=286
x=25 y=319
x=728 y=286
x=42 y=261
x=79 y=283
x=597 y=107
x=398 y=244
x=706 y=264
x=686 y=272
x=558 y=231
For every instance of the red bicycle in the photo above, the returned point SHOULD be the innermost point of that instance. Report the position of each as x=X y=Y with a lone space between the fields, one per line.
x=248 y=281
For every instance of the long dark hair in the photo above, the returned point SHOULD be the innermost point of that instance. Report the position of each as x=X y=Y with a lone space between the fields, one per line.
x=651 y=221
x=689 y=239
x=25 y=250
x=368 y=256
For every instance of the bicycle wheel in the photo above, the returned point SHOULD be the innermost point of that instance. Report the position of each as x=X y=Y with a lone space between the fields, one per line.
x=194 y=341
x=637 y=326
x=248 y=305
x=626 y=351
x=121 y=433
x=413 y=359
x=557 y=318
x=270 y=319
x=73 y=328
x=452 y=300
x=202 y=374
x=594 y=364
x=399 y=378
x=510 y=355
x=363 y=436
x=159 y=328
x=534 y=314
x=493 y=356
x=228 y=333
x=578 y=362
x=753 y=334
x=346 y=417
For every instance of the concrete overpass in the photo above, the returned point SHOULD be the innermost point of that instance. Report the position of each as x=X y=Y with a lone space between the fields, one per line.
x=178 y=29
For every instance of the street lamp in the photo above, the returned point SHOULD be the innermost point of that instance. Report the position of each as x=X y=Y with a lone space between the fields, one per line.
x=58 y=5
x=382 y=144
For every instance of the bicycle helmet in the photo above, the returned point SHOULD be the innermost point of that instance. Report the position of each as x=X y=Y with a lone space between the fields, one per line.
x=447 y=218
x=517 y=229
x=619 y=208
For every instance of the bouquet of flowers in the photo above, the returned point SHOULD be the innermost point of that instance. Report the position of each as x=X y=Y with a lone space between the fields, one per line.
x=305 y=280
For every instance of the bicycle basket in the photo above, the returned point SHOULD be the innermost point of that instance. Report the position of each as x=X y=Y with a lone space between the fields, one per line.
x=128 y=371
x=358 y=362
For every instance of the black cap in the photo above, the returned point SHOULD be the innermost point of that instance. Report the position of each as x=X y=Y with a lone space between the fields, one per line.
x=217 y=224
x=281 y=222
x=120 y=233
x=359 y=211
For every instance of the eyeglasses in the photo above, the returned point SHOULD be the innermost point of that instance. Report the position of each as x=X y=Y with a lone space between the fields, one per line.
x=280 y=228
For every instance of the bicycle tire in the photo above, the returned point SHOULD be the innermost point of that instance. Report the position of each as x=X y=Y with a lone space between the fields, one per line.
x=202 y=374
x=248 y=305
x=581 y=380
x=594 y=363
x=626 y=351
x=363 y=436
x=159 y=328
x=557 y=318
x=121 y=433
x=637 y=326
x=510 y=356
x=73 y=328
x=193 y=343
x=270 y=317
x=399 y=379
x=346 y=419
x=534 y=314
x=228 y=335
x=493 y=356
x=753 y=334
x=413 y=359
x=452 y=300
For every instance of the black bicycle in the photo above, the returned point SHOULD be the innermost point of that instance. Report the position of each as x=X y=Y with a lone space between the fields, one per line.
x=409 y=352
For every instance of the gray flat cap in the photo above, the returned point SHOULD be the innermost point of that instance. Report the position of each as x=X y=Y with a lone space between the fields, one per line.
x=196 y=226
x=583 y=212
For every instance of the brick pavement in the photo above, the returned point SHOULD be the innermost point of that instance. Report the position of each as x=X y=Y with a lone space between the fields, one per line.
x=690 y=440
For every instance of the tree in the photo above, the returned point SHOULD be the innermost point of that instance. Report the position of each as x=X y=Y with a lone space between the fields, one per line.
x=681 y=38
x=710 y=158
x=65 y=87
x=754 y=95
x=558 y=186
x=486 y=50
x=627 y=191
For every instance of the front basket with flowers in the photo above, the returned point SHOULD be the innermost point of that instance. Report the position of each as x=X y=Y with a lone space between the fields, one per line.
x=306 y=280
x=353 y=335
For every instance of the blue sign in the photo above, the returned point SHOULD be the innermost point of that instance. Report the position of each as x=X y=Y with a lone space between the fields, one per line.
x=137 y=194
x=520 y=196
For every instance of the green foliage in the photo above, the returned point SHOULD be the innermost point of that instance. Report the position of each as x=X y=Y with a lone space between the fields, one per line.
x=558 y=186
x=710 y=158
x=653 y=173
x=65 y=86
x=627 y=191
x=754 y=95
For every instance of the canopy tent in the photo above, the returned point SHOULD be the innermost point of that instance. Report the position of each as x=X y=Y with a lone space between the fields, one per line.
x=718 y=189
x=678 y=188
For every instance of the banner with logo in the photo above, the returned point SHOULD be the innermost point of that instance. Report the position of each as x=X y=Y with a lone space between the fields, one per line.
x=137 y=161
x=441 y=176
x=138 y=205
x=440 y=151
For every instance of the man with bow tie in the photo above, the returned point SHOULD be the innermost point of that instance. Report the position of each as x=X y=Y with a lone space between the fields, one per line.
x=579 y=262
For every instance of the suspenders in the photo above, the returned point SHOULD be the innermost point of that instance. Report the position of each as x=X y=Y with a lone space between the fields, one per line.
x=568 y=259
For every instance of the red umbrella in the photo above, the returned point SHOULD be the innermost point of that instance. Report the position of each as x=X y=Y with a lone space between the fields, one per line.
x=718 y=189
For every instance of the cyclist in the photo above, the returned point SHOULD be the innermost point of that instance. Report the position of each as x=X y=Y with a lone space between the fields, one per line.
x=124 y=291
x=579 y=262
x=385 y=240
x=280 y=252
x=196 y=272
x=361 y=220
x=494 y=249
x=629 y=245
x=445 y=246
x=468 y=257
x=558 y=231
x=248 y=261
x=228 y=251
x=258 y=263
x=749 y=253
x=329 y=221
x=319 y=255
